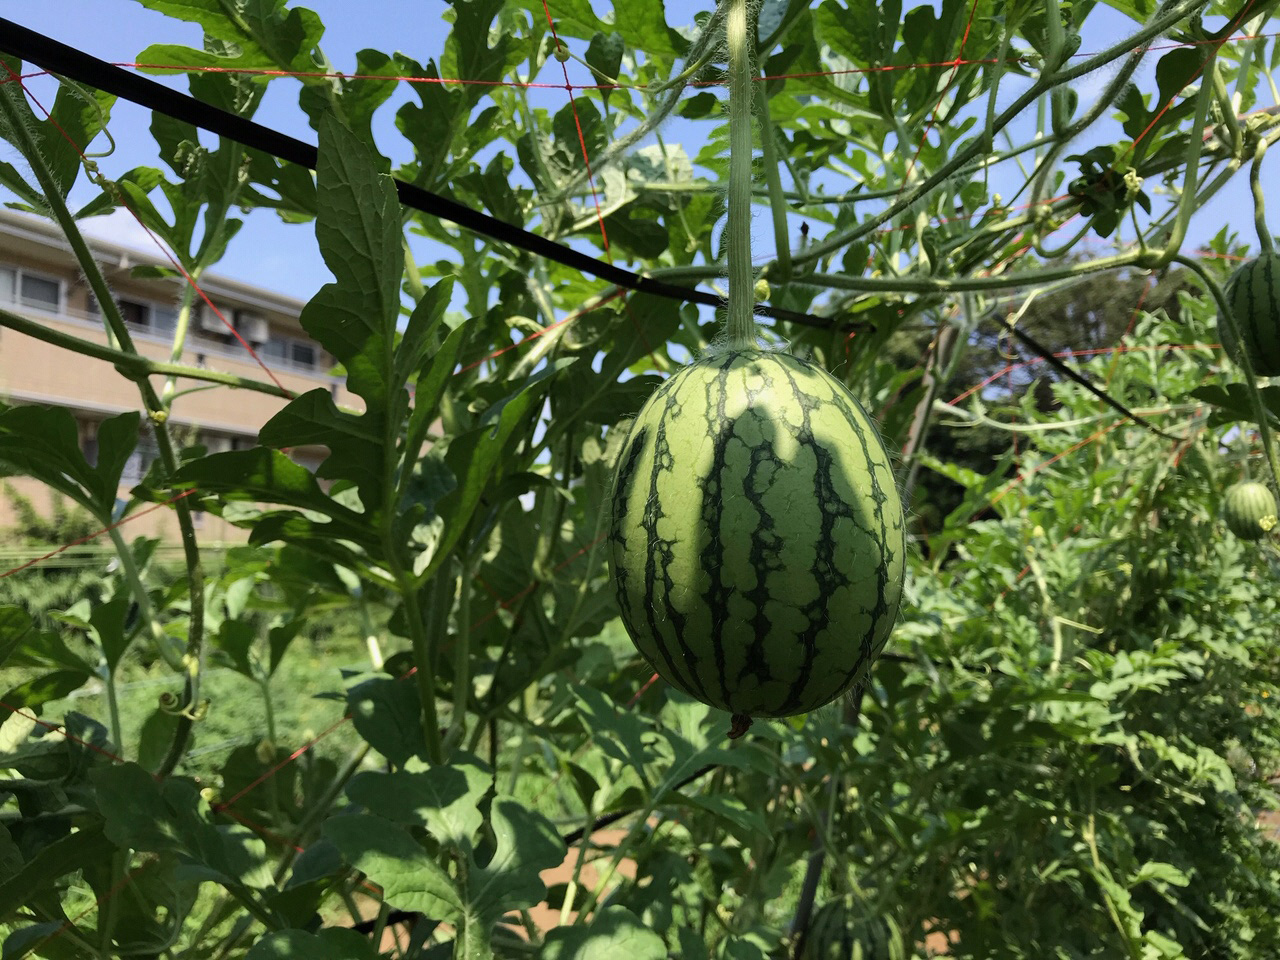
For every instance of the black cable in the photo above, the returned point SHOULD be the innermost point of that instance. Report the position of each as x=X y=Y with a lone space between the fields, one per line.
x=58 y=58
x=1044 y=354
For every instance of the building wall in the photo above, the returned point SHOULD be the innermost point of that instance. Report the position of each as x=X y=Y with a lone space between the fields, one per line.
x=33 y=371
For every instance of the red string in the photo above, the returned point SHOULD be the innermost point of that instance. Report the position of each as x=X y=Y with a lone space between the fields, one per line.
x=527 y=84
x=93 y=536
x=641 y=692
x=220 y=807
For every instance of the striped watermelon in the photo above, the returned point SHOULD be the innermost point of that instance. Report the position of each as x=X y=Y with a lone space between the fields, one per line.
x=1253 y=293
x=757 y=538
x=837 y=933
x=1249 y=510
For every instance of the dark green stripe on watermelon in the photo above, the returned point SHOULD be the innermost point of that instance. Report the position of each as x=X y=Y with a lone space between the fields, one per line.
x=757 y=536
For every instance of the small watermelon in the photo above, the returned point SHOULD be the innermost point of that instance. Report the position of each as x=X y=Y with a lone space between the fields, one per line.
x=1253 y=293
x=837 y=933
x=1249 y=509
x=757 y=538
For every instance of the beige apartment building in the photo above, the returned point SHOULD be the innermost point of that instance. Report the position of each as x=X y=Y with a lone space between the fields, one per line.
x=39 y=279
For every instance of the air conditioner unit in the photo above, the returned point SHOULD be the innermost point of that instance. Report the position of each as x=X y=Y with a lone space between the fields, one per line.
x=210 y=322
x=252 y=326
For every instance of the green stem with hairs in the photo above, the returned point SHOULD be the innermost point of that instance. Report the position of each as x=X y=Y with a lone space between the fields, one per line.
x=777 y=202
x=741 y=324
x=425 y=638
x=1259 y=202
x=1228 y=111
x=147 y=612
x=185 y=311
x=1191 y=175
x=921 y=285
x=132 y=365
x=1054 y=253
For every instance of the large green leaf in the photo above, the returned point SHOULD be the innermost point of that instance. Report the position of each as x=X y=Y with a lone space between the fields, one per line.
x=331 y=944
x=108 y=621
x=613 y=932
x=644 y=24
x=43 y=442
x=388 y=714
x=388 y=855
x=357 y=99
x=171 y=816
x=15 y=624
x=445 y=799
x=525 y=844
x=358 y=230
x=263 y=475
x=258 y=33
x=53 y=862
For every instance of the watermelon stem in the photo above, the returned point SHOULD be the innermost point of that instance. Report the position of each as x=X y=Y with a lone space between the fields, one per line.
x=740 y=328
x=739 y=724
x=1259 y=203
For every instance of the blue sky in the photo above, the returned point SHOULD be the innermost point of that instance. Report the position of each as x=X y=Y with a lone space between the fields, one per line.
x=284 y=258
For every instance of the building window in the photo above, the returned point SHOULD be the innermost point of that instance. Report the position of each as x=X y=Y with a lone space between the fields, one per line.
x=135 y=314
x=33 y=290
x=156 y=319
x=290 y=352
x=304 y=354
x=40 y=292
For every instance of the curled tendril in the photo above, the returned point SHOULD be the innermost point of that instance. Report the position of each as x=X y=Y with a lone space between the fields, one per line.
x=83 y=93
x=170 y=703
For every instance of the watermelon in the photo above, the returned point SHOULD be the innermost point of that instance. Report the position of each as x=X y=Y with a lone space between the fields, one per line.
x=837 y=933
x=1253 y=294
x=1249 y=510
x=757 y=538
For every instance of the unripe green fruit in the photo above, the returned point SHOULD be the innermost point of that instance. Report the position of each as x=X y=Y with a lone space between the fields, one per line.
x=1253 y=294
x=757 y=537
x=1249 y=510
